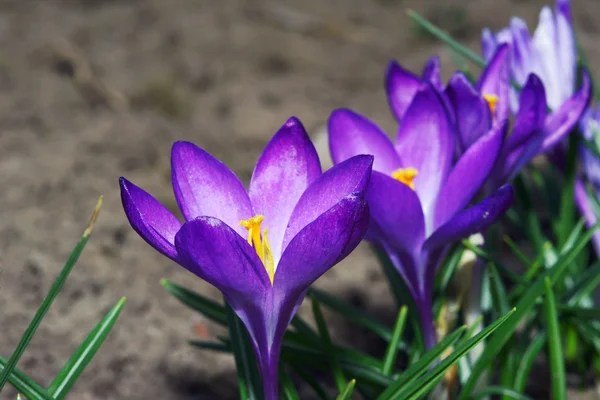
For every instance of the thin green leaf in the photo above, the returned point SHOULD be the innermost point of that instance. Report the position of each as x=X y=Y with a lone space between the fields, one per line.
x=248 y=376
x=447 y=39
x=566 y=218
x=500 y=391
x=392 y=349
x=584 y=286
x=205 y=306
x=338 y=374
x=422 y=385
x=310 y=381
x=517 y=251
x=422 y=365
x=352 y=313
x=527 y=360
x=557 y=365
x=25 y=385
x=56 y=286
x=346 y=394
x=498 y=291
x=289 y=391
x=526 y=303
x=65 y=379
x=580 y=312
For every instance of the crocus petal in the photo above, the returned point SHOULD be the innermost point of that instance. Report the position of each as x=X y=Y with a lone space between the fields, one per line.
x=321 y=244
x=495 y=80
x=150 y=219
x=586 y=209
x=401 y=86
x=559 y=81
x=531 y=115
x=469 y=174
x=567 y=47
x=212 y=250
x=488 y=44
x=396 y=210
x=521 y=50
x=351 y=134
x=287 y=166
x=349 y=177
x=561 y=121
x=432 y=73
x=204 y=186
x=397 y=223
x=472 y=220
x=473 y=117
x=425 y=142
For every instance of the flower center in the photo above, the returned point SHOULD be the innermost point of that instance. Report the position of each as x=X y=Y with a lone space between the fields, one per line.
x=260 y=244
x=492 y=101
x=406 y=176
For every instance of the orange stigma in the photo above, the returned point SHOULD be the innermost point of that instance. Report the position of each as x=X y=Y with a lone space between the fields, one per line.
x=492 y=101
x=406 y=176
x=260 y=244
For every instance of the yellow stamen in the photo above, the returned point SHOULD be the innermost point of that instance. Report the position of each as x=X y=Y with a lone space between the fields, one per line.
x=261 y=245
x=406 y=176
x=492 y=101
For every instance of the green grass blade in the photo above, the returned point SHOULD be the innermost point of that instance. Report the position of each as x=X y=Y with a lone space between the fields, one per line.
x=500 y=391
x=447 y=39
x=423 y=364
x=56 y=286
x=392 y=349
x=25 y=385
x=248 y=376
x=310 y=381
x=418 y=388
x=338 y=374
x=351 y=313
x=346 y=394
x=205 y=306
x=557 y=365
x=84 y=353
x=566 y=218
x=584 y=285
x=524 y=306
x=287 y=386
x=527 y=360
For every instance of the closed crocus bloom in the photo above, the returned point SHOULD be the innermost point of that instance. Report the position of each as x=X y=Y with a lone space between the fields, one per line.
x=264 y=247
x=550 y=55
x=418 y=194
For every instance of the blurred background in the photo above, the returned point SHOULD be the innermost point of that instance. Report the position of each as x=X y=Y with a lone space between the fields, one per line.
x=94 y=89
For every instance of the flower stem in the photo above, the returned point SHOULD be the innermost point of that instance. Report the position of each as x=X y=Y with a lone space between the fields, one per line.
x=269 y=369
x=426 y=319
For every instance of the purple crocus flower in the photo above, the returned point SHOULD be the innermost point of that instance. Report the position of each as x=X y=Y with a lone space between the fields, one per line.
x=417 y=194
x=590 y=128
x=262 y=248
x=474 y=109
x=551 y=53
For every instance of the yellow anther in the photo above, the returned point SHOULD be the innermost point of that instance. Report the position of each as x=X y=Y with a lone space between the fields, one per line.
x=406 y=176
x=261 y=245
x=492 y=101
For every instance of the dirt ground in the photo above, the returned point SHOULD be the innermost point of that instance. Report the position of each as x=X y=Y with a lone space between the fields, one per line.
x=94 y=89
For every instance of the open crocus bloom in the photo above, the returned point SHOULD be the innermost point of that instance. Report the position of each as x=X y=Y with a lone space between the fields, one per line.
x=262 y=248
x=551 y=53
x=417 y=194
x=475 y=109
